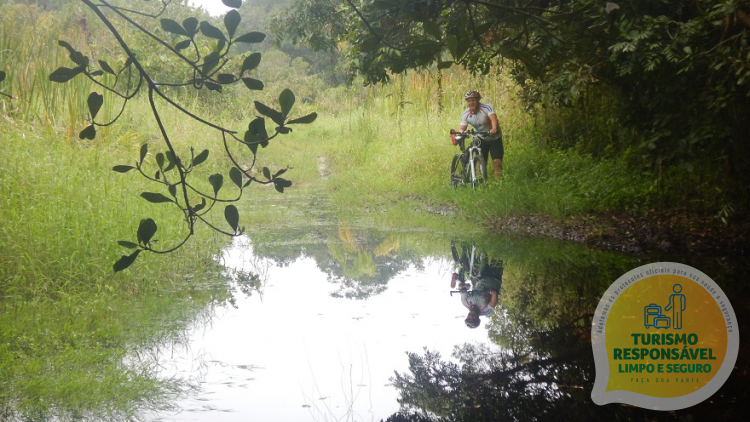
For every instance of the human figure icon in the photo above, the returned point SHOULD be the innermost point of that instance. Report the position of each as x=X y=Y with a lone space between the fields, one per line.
x=677 y=304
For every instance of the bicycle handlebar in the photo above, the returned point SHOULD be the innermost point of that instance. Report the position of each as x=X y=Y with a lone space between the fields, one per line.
x=470 y=132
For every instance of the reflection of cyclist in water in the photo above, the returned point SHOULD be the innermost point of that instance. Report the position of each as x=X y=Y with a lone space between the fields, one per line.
x=485 y=275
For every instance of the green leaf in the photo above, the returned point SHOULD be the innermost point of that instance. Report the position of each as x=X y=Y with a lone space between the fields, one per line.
x=160 y=160
x=122 y=169
x=251 y=38
x=274 y=115
x=286 y=101
x=210 y=62
x=236 y=175
x=126 y=244
x=173 y=190
x=216 y=180
x=155 y=198
x=431 y=28
x=144 y=151
x=280 y=184
x=226 y=78
x=251 y=62
x=232 y=216
x=232 y=21
x=445 y=65
x=88 y=133
x=106 y=67
x=304 y=119
x=182 y=45
x=191 y=25
x=171 y=159
x=95 y=102
x=232 y=3
x=200 y=206
x=253 y=84
x=125 y=261
x=212 y=86
x=266 y=173
x=64 y=74
x=169 y=25
x=211 y=31
x=146 y=231
x=452 y=42
x=203 y=156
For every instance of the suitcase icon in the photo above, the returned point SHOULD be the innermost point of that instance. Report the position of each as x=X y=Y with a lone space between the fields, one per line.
x=661 y=322
x=652 y=317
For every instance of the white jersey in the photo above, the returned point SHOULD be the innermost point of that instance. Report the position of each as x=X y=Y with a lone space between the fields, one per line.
x=479 y=120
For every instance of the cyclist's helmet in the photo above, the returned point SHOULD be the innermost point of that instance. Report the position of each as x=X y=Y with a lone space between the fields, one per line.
x=472 y=94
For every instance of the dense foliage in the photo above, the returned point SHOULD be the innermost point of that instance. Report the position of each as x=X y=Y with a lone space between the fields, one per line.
x=675 y=72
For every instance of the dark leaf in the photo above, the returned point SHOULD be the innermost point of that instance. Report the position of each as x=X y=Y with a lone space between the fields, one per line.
x=253 y=84
x=122 y=169
x=200 y=206
x=160 y=160
x=155 y=198
x=251 y=62
x=274 y=115
x=431 y=28
x=146 y=230
x=88 y=133
x=106 y=67
x=171 y=159
x=2 y=76
x=173 y=191
x=235 y=4
x=304 y=119
x=216 y=180
x=97 y=73
x=251 y=38
x=283 y=130
x=169 y=25
x=209 y=62
x=126 y=244
x=286 y=101
x=191 y=25
x=63 y=74
x=211 y=31
x=266 y=173
x=144 y=151
x=236 y=175
x=125 y=261
x=213 y=87
x=231 y=22
x=75 y=55
x=279 y=173
x=280 y=184
x=226 y=78
x=157 y=176
x=220 y=46
x=95 y=102
x=203 y=156
x=182 y=45
x=232 y=216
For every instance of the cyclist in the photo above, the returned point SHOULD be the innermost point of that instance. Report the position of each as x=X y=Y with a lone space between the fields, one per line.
x=482 y=299
x=482 y=117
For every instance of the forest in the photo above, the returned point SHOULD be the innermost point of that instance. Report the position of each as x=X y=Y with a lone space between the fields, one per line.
x=139 y=135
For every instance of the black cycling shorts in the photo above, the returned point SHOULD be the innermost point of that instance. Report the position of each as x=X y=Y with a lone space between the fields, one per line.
x=495 y=147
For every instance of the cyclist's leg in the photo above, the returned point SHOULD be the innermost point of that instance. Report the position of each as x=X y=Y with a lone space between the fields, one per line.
x=498 y=151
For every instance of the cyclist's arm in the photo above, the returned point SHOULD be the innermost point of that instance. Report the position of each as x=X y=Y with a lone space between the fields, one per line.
x=493 y=299
x=462 y=128
x=495 y=125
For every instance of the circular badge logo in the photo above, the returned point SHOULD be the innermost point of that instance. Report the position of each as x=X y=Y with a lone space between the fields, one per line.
x=664 y=338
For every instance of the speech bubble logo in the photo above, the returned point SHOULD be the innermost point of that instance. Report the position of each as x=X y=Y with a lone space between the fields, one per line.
x=664 y=337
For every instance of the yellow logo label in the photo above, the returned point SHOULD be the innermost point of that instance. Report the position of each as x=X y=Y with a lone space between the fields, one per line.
x=664 y=337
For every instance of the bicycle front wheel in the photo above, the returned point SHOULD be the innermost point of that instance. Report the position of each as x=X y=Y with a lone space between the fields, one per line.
x=458 y=172
x=480 y=170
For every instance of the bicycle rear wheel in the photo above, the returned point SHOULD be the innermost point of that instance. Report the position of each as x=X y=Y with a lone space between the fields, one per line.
x=458 y=172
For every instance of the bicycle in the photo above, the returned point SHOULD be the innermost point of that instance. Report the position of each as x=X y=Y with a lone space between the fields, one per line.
x=468 y=167
x=466 y=272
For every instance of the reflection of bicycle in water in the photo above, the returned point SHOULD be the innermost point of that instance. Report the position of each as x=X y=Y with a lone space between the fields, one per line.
x=478 y=281
x=468 y=167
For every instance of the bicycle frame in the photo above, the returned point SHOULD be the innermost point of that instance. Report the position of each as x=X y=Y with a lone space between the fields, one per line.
x=473 y=155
